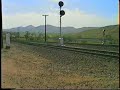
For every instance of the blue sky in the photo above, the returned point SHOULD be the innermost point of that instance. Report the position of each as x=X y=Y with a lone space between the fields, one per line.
x=101 y=8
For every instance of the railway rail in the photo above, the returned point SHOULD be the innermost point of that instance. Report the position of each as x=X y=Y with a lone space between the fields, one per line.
x=112 y=54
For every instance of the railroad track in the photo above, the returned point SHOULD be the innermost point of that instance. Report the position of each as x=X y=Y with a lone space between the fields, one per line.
x=113 y=54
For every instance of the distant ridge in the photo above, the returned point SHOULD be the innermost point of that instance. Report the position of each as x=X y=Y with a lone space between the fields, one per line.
x=52 y=29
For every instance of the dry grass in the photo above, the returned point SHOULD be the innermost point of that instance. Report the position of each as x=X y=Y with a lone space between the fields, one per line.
x=25 y=66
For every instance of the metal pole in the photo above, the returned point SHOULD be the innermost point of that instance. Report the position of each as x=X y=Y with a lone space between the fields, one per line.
x=45 y=26
x=60 y=23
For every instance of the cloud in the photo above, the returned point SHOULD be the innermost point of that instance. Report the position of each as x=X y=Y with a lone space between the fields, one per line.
x=55 y=0
x=74 y=18
x=81 y=19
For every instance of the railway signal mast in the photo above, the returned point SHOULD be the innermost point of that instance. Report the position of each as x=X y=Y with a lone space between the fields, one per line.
x=62 y=12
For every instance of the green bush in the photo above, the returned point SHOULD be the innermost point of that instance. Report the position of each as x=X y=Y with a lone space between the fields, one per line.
x=84 y=42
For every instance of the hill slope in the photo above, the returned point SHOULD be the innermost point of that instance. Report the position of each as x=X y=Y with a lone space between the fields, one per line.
x=50 y=29
x=110 y=31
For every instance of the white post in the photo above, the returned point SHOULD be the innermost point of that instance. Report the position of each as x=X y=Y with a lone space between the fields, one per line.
x=7 y=40
x=103 y=37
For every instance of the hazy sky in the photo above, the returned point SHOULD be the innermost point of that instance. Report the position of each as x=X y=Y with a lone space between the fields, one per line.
x=78 y=13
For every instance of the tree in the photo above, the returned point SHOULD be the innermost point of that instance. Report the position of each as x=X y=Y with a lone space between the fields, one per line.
x=79 y=36
x=17 y=35
x=32 y=36
x=40 y=36
x=35 y=37
x=109 y=37
x=68 y=38
x=27 y=34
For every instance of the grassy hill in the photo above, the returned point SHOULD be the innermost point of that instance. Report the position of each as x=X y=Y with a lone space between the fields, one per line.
x=112 y=30
x=96 y=35
x=87 y=34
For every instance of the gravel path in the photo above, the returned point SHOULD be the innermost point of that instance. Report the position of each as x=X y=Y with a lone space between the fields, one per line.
x=27 y=66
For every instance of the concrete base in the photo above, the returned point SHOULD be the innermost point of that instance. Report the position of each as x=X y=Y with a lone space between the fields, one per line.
x=61 y=41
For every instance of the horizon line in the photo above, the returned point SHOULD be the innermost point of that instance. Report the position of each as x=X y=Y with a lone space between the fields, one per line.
x=58 y=26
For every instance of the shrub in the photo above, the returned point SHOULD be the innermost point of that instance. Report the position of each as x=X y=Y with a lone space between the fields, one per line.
x=84 y=42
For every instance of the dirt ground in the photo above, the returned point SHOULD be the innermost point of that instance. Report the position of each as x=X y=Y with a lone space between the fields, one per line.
x=26 y=66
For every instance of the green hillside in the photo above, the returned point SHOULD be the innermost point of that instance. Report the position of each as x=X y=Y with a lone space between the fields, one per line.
x=96 y=35
x=111 y=31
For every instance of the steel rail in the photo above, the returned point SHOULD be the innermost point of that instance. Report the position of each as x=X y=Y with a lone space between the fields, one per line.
x=76 y=49
x=82 y=50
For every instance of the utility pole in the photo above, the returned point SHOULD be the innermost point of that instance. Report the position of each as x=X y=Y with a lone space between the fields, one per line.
x=45 y=26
